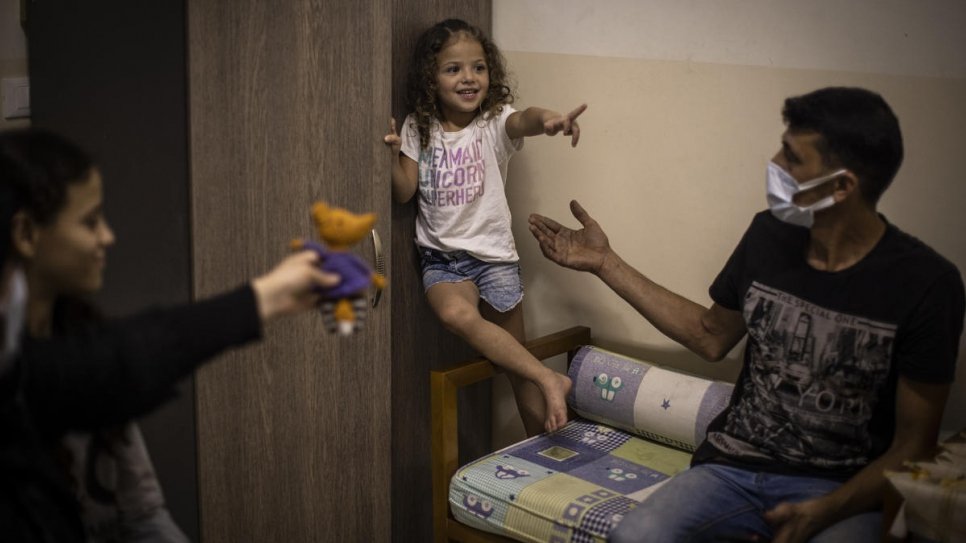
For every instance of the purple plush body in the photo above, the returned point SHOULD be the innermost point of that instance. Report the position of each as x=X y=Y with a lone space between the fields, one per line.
x=355 y=273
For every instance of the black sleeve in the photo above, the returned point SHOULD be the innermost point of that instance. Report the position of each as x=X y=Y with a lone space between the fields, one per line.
x=129 y=366
x=726 y=289
x=929 y=345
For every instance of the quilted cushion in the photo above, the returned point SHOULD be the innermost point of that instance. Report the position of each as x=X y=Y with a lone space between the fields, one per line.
x=570 y=486
x=647 y=400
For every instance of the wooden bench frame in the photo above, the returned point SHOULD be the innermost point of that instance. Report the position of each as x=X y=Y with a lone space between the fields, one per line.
x=444 y=386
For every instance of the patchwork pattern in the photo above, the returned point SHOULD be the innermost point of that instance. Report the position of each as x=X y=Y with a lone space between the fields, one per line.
x=715 y=401
x=572 y=485
x=605 y=384
x=653 y=402
x=575 y=485
x=620 y=475
x=656 y=456
x=600 y=437
x=602 y=518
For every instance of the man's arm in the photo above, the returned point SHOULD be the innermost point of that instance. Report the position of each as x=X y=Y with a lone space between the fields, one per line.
x=709 y=332
x=534 y=121
x=919 y=409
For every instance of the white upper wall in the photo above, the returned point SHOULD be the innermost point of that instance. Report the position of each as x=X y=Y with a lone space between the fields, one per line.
x=923 y=38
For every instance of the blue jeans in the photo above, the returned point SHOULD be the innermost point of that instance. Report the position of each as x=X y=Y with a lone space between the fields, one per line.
x=712 y=502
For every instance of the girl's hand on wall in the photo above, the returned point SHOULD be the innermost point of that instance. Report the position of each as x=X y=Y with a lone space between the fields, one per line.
x=392 y=139
x=566 y=124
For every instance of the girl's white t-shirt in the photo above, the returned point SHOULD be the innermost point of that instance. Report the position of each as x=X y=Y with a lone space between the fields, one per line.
x=462 y=203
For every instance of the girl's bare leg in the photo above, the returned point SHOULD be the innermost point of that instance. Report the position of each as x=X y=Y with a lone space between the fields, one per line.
x=457 y=306
x=528 y=397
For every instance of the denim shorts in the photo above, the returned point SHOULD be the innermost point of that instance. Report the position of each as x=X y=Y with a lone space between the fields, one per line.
x=499 y=283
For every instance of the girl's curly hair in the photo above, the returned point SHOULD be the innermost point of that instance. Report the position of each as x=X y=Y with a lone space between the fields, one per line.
x=421 y=90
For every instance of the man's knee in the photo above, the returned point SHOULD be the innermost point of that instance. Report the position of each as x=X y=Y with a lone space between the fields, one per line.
x=643 y=524
x=619 y=536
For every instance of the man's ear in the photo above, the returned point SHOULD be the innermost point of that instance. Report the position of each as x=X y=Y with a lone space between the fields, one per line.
x=845 y=185
x=23 y=234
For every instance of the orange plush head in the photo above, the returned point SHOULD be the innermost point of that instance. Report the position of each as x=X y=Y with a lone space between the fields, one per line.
x=340 y=228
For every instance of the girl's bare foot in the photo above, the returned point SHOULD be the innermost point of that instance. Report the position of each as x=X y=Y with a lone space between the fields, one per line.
x=555 y=389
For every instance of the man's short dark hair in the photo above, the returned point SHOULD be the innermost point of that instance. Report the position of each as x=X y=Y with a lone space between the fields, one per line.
x=858 y=131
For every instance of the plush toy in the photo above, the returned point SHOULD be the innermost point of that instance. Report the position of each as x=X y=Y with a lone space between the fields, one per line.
x=344 y=305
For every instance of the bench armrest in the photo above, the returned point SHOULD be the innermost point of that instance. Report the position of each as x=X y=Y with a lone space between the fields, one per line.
x=444 y=385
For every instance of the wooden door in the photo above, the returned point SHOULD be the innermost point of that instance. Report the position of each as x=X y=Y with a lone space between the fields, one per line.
x=419 y=342
x=288 y=103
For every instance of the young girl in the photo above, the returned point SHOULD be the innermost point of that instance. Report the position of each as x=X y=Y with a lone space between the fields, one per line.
x=91 y=375
x=62 y=238
x=454 y=149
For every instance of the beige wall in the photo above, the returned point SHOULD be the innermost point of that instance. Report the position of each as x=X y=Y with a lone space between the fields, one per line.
x=13 y=51
x=676 y=138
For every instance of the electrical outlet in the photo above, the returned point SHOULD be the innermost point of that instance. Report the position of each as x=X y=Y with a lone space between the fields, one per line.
x=15 y=93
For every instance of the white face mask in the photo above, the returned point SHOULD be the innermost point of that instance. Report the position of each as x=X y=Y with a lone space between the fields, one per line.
x=781 y=189
x=13 y=309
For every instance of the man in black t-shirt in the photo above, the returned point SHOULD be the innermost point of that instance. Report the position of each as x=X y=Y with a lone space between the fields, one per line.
x=853 y=331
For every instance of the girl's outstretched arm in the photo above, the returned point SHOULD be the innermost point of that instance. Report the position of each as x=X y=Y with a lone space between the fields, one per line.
x=534 y=121
x=405 y=171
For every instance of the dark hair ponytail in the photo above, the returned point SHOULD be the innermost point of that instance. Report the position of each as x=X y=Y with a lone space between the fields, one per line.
x=38 y=166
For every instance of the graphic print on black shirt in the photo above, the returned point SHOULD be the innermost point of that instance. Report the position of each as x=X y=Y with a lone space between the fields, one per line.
x=814 y=375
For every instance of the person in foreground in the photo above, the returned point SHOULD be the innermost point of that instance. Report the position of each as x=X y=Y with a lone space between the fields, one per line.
x=76 y=373
x=853 y=331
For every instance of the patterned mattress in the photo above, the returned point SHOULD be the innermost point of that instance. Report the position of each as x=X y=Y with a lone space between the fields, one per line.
x=575 y=485
x=572 y=485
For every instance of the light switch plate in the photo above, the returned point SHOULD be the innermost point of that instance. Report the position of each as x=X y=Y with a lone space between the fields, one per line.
x=15 y=93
